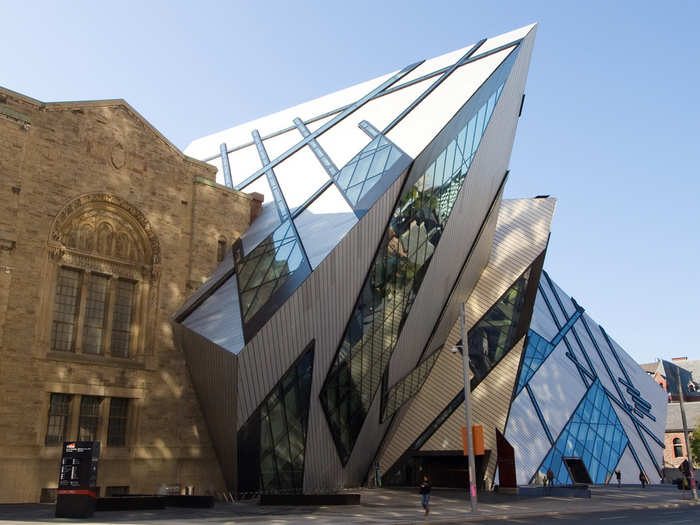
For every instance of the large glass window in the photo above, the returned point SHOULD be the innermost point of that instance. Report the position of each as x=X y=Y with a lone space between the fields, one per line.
x=118 y=413
x=495 y=333
x=398 y=270
x=266 y=268
x=594 y=434
x=59 y=414
x=95 y=309
x=121 y=323
x=89 y=418
x=65 y=310
x=272 y=443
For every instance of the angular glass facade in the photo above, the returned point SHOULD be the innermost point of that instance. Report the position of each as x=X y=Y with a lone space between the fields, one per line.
x=537 y=350
x=398 y=270
x=367 y=168
x=267 y=268
x=408 y=387
x=272 y=443
x=496 y=332
x=594 y=434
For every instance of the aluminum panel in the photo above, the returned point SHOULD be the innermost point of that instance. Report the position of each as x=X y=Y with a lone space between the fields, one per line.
x=558 y=389
x=527 y=436
x=218 y=318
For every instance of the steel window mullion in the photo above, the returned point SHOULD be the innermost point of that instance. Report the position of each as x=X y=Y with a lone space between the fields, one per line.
x=347 y=112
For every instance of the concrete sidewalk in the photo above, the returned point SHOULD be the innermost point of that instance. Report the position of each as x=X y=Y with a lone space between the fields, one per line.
x=379 y=506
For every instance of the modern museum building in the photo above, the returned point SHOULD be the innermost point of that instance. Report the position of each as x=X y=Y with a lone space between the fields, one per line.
x=325 y=347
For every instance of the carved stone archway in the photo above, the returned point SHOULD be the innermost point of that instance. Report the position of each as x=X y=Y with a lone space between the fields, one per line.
x=103 y=228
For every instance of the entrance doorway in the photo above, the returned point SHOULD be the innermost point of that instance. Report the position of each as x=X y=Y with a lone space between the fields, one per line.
x=444 y=468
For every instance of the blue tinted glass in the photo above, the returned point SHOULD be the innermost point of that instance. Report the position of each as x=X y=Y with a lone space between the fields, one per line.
x=593 y=434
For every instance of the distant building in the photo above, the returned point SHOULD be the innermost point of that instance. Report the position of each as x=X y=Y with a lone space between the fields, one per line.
x=675 y=451
x=666 y=374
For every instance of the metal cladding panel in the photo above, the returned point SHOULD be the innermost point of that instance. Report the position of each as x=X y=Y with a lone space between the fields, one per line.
x=629 y=470
x=521 y=236
x=490 y=405
x=418 y=129
x=440 y=387
x=213 y=373
x=224 y=268
x=638 y=446
x=218 y=318
x=558 y=388
x=528 y=437
x=592 y=353
x=651 y=391
x=331 y=301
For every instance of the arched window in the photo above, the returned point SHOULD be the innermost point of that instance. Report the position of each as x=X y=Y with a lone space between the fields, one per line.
x=677 y=448
x=106 y=265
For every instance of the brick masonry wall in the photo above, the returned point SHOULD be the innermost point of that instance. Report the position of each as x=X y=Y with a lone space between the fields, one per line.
x=51 y=154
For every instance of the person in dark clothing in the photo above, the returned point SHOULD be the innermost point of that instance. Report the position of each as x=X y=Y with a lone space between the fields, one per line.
x=550 y=477
x=642 y=478
x=425 y=494
x=618 y=475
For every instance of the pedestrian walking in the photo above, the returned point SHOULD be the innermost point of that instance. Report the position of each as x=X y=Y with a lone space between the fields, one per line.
x=618 y=475
x=642 y=478
x=550 y=477
x=425 y=494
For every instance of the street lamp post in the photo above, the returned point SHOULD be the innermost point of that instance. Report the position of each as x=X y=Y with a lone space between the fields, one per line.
x=468 y=407
x=685 y=434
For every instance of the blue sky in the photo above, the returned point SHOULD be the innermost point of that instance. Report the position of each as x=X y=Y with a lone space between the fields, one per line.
x=610 y=123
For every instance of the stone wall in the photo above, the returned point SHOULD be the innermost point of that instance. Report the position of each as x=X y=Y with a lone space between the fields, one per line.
x=57 y=159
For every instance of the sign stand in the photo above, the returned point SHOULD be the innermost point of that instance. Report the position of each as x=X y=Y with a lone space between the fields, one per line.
x=77 y=480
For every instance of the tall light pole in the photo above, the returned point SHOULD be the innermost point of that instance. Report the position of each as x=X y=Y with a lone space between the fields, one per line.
x=685 y=433
x=468 y=406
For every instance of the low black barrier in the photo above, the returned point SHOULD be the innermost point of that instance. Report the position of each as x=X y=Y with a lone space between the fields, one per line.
x=149 y=502
x=131 y=503
x=309 y=499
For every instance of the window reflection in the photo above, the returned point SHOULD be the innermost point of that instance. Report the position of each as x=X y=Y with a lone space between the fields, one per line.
x=398 y=270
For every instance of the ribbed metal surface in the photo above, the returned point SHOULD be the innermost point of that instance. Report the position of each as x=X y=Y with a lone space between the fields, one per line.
x=528 y=437
x=214 y=375
x=521 y=235
x=490 y=404
x=558 y=388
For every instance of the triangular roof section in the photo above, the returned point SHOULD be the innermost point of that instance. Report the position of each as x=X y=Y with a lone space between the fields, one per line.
x=104 y=103
x=279 y=127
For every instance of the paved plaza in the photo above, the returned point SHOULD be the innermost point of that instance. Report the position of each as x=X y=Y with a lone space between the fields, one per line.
x=402 y=507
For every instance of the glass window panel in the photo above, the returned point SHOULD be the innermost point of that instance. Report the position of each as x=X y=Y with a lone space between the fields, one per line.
x=65 y=313
x=118 y=414
x=59 y=415
x=121 y=320
x=95 y=310
x=89 y=418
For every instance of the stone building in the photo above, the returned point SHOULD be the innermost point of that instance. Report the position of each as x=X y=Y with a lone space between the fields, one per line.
x=105 y=228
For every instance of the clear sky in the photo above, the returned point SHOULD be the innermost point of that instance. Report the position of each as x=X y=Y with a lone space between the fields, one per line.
x=610 y=125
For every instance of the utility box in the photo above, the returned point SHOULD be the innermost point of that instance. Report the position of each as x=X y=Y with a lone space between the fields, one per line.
x=77 y=479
